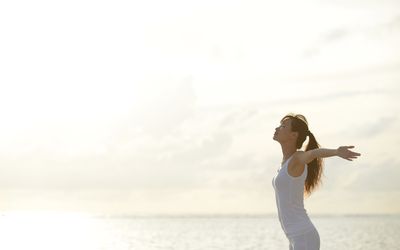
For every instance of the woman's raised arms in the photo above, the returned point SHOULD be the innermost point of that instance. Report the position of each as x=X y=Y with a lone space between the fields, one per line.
x=342 y=151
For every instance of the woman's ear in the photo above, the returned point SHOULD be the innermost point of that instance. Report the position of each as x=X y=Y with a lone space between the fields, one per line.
x=294 y=134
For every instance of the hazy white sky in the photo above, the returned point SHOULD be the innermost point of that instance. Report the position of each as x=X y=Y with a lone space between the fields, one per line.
x=169 y=107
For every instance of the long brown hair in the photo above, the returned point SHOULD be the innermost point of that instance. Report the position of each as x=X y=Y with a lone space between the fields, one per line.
x=315 y=167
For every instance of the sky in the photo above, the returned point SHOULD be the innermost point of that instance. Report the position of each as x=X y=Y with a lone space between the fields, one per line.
x=169 y=107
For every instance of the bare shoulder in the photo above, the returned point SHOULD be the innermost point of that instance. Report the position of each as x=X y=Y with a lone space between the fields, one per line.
x=304 y=157
x=299 y=152
x=298 y=156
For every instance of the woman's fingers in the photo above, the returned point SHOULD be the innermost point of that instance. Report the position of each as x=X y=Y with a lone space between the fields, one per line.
x=347 y=154
x=352 y=152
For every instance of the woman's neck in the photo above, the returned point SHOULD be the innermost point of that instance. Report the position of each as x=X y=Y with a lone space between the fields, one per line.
x=287 y=152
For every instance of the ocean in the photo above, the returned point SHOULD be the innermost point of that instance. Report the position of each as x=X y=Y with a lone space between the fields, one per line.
x=366 y=232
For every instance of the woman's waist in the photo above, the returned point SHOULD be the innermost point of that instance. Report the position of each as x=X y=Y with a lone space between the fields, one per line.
x=290 y=208
x=292 y=232
x=292 y=215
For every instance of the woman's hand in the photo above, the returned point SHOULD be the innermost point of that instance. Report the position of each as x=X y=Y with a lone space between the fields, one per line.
x=347 y=154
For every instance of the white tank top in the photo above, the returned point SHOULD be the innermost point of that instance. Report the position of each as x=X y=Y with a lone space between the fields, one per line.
x=290 y=201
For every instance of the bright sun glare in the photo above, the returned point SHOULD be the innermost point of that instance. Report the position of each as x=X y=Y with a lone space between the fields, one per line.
x=48 y=230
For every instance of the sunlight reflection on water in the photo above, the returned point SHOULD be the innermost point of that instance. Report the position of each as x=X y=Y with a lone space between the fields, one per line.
x=55 y=230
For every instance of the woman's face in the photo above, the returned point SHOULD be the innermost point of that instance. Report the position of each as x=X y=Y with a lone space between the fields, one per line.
x=284 y=131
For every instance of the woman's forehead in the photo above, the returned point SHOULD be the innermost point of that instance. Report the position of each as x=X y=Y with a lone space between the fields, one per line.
x=286 y=121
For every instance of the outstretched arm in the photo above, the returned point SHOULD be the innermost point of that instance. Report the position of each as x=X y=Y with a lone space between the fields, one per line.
x=343 y=152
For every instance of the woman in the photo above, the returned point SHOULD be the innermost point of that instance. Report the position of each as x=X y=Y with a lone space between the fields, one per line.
x=299 y=175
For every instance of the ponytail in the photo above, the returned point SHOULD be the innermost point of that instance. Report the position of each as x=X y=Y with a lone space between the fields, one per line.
x=315 y=167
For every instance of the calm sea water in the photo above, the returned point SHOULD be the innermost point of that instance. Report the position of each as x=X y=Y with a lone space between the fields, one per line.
x=191 y=233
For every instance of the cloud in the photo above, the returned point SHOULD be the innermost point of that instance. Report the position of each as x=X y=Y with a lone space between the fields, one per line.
x=209 y=147
x=168 y=110
x=328 y=97
x=143 y=156
x=184 y=157
x=239 y=116
x=334 y=35
x=394 y=23
x=339 y=34
x=370 y=127
x=248 y=171
x=379 y=177
x=377 y=127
